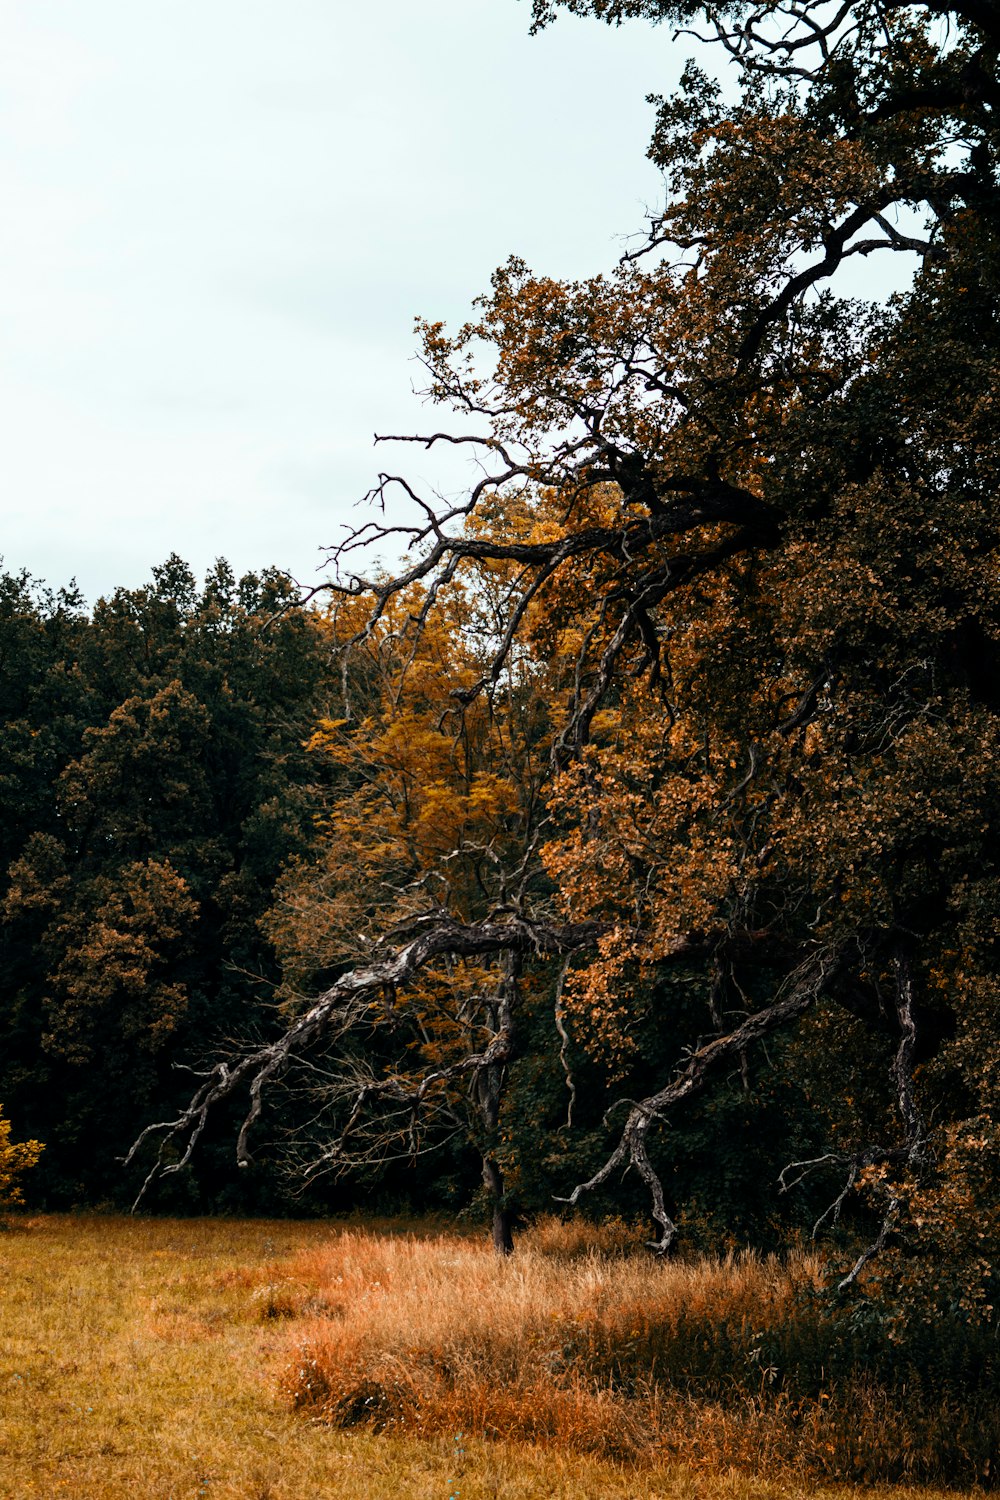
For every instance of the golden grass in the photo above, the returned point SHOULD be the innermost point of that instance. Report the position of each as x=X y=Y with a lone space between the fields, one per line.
x=138 y=1358
x=573 y=1344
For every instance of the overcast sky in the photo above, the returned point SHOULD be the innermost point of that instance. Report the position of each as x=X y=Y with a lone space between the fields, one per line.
x=220 y=218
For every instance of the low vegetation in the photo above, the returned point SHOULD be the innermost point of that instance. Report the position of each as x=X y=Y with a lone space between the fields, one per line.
x=137 y=1358
x=578 y=1343
x=16 y=1158
x=274 y=1360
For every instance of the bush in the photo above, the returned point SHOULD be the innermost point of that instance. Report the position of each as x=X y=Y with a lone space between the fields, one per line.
x=15 y=1159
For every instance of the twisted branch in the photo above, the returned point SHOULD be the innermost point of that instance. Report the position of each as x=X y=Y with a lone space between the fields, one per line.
x=344 y=1006
x=814 y=975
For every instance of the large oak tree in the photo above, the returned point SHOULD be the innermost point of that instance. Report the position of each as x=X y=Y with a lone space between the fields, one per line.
x=757 y=520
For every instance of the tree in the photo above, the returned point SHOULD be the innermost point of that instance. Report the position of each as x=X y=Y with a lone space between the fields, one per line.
x=156 y=780
x=430 y=820
x=759 y=518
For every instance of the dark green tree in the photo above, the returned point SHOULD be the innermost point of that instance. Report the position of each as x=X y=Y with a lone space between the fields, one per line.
x=156 y=781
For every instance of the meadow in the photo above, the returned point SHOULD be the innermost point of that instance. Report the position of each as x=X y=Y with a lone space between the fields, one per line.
x=284 y=1360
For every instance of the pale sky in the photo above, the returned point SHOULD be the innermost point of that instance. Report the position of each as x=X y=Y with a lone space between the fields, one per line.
x=220 y=218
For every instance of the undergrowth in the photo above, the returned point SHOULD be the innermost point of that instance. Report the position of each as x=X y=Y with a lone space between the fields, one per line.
x=576 y=1342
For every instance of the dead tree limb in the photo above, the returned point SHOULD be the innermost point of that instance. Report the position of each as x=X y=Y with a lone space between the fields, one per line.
x=815 y=974
x=912 y=1154
x=343 y=1007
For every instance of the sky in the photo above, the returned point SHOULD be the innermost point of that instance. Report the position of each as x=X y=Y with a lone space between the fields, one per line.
x=220 y=220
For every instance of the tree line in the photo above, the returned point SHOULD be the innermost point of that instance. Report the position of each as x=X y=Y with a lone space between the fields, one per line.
x=154 y=781
x=207 y=820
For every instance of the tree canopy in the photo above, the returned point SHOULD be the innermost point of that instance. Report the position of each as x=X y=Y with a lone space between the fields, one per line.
x=154 y=781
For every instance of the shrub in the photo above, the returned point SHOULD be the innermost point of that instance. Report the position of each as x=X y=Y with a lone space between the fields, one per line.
x=15 y=1159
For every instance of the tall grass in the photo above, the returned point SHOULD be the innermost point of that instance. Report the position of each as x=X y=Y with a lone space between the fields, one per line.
x=576 y=1343
x=155 y=1359
x=136 y=1359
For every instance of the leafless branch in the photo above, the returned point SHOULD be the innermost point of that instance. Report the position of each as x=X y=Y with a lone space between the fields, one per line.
x=815 y=974
x=560 y=1024
x=913 y=1153
x=342 y=1008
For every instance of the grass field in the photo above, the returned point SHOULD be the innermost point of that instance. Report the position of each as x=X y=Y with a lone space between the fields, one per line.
x=163 y=1358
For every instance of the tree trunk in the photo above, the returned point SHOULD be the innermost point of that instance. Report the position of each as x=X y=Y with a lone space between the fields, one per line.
x=489 y=1088
x=503 y=1238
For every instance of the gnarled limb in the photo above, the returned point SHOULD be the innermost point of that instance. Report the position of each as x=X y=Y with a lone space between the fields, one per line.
x=913 y=1152
x=814 y=975
x=354 y=997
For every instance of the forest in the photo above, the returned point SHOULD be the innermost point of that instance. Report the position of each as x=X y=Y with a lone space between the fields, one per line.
x=629 y=847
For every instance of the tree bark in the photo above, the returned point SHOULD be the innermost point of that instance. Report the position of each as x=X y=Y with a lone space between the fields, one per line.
x=503 y=1236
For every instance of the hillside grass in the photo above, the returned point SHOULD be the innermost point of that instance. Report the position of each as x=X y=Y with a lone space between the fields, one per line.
x=163 y=1358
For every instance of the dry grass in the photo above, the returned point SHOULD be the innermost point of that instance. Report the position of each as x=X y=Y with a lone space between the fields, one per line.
x=575 y=1344
x=139 y=1358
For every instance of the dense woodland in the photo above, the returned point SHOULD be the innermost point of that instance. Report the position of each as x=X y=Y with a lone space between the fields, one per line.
x=635 y=844
x=154 y=781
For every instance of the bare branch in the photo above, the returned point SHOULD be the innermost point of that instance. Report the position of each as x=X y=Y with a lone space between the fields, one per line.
x=913 y=1153
x=341 y=1008
x=835 y=243
x=559 y=1015
x=814 y=975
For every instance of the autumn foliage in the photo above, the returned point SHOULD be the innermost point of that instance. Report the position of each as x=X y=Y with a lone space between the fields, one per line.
x=154 y=780
x=16 y=1158
x=661 y=789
